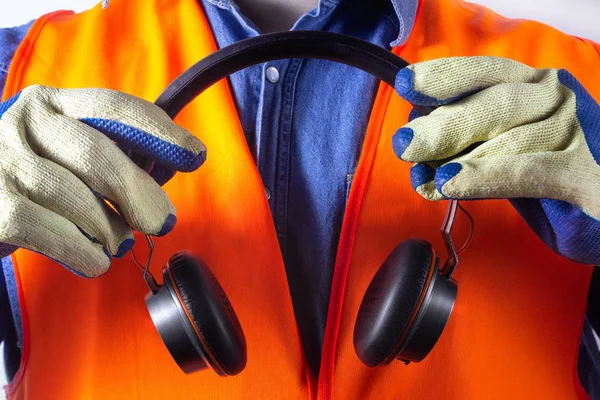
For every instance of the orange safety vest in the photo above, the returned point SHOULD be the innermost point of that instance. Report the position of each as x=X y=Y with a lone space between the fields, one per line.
x=515 y=329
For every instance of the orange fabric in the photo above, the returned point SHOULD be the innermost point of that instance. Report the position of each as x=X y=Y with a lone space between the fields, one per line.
x=515 y=329
x=516 y=325
x=94 y=339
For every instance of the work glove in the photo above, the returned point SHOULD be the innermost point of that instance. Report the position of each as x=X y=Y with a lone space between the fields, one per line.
x=68 y=191
x=505 y=130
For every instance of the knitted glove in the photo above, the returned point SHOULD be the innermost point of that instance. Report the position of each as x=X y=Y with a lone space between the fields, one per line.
x=60 y=169
x=506 y=130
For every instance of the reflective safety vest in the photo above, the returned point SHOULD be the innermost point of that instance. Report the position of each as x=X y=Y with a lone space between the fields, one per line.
x=515 y=329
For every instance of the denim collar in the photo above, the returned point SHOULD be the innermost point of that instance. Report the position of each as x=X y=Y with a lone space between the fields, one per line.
x=406 y=11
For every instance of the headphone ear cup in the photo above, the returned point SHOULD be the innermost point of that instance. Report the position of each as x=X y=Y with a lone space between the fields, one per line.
x=392 y=299
x=195 y=318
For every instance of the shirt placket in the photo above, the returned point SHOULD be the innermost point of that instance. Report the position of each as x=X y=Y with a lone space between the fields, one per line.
x=274 y=130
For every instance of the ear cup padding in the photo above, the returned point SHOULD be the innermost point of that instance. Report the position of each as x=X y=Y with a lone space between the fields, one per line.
x=391 y=299
x=209 y=310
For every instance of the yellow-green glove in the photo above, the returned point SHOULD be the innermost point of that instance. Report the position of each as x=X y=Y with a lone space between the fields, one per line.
x=60 y=165
x=506 y=130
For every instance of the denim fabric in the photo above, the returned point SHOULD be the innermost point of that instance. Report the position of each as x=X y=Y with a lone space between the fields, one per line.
x=10 y=39
x=305 y=132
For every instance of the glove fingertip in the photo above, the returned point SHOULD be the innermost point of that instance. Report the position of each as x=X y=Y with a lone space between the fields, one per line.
x=405 y=81
x=420 y=174
x=405 y=87
x=124 y=247
x=445 y=173
x=189 y=161
x=168 y=225
x=401 y=140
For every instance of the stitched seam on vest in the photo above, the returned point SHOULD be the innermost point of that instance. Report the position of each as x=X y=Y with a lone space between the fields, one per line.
x=344 y=254
x=325 y=389
x=328 y=386
x=311 y=395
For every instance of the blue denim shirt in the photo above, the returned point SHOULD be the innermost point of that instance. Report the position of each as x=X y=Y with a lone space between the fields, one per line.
x=305 y=141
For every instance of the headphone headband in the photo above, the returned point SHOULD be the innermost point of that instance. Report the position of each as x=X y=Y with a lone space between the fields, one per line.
x=358 y=53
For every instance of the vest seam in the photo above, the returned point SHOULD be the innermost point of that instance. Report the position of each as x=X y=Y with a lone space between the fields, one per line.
x=396 y=50
x=325 y=387
x=307 y=373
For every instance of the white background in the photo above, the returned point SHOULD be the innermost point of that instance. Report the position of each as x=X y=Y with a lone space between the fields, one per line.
x=577 y=17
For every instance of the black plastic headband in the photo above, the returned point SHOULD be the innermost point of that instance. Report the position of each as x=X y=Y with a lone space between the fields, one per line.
x=348 y=50
x=296 y=44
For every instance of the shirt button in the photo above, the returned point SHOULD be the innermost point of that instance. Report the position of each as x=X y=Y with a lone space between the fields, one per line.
x=272 y=74
x=268 y=193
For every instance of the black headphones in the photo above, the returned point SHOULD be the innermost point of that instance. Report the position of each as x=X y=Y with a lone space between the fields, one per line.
x=410 y=298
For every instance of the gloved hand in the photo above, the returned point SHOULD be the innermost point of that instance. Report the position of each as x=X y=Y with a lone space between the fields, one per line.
x=506 y=130
x=59 y=167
